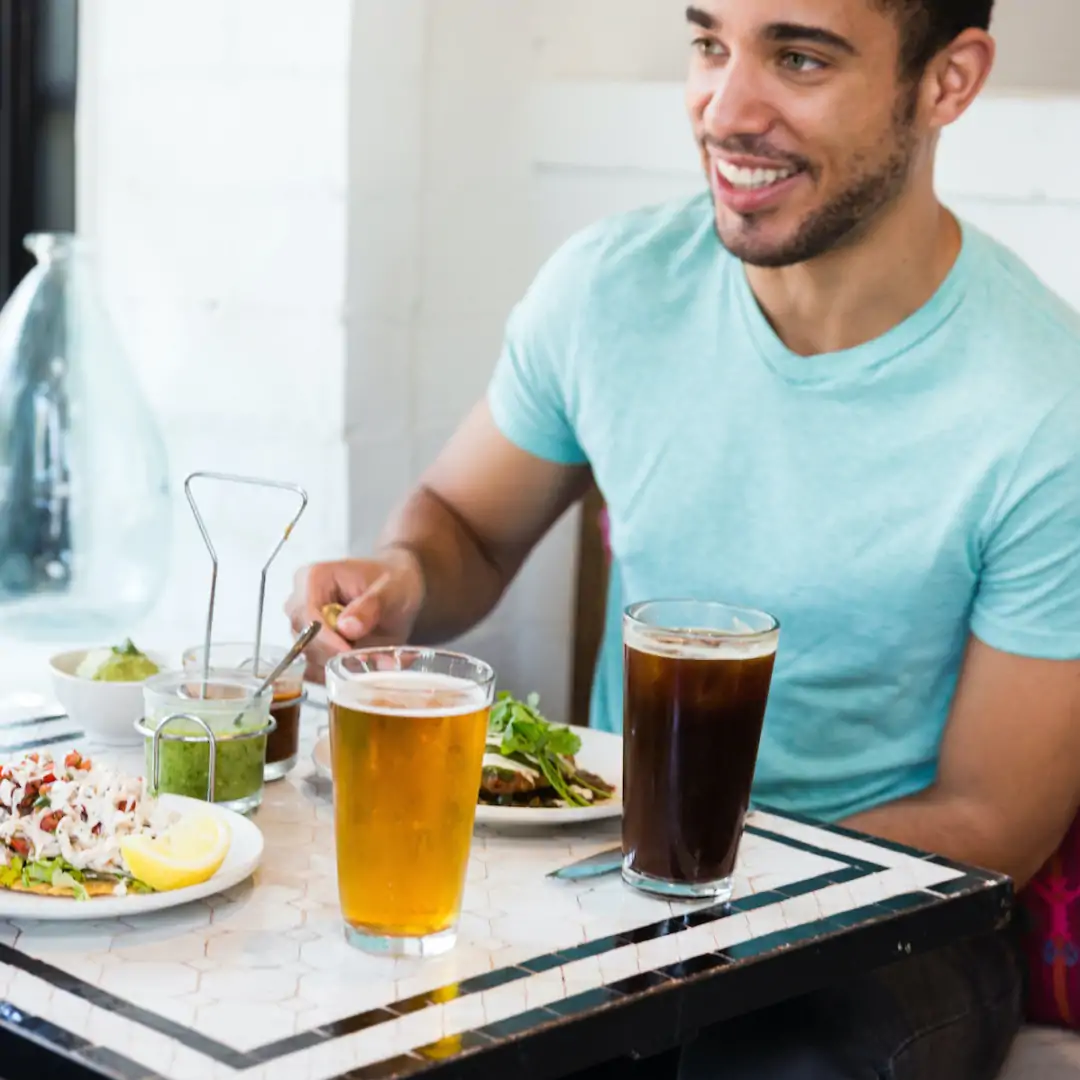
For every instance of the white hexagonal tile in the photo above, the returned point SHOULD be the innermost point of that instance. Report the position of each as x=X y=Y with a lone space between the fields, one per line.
x=134 y=980
x=303 y=934
x=252 y=950
x=343 y=993
x=235 y=984
x=188 y=918
x=244 y=1025
x=157 y=948
x=294 y=837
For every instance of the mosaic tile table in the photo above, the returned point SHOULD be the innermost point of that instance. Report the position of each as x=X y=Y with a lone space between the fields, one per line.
x=548 y=977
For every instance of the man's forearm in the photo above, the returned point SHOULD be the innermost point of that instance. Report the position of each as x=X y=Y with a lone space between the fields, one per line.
x=953 y=826
x=462 y=581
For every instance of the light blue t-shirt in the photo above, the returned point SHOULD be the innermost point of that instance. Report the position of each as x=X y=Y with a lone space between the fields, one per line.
x=883 y=502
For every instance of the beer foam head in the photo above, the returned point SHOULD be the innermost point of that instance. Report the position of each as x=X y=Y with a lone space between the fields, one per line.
x=740 y=643
x=406 y=693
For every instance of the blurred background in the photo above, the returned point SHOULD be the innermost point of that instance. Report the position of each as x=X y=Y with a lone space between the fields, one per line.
x=311 y=220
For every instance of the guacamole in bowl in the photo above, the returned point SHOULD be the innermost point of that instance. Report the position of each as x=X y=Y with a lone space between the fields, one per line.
x=121 y=663
x=101 y=688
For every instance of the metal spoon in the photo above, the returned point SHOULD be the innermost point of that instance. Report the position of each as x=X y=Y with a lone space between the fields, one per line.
x=297 y=648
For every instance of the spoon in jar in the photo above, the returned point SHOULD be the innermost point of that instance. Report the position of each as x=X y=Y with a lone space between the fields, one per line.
x=298 y=646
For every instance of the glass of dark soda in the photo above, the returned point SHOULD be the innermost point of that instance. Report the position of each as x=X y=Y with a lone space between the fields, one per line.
x=696 y=684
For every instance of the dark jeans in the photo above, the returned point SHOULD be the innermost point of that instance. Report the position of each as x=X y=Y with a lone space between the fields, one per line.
x=946 y=1015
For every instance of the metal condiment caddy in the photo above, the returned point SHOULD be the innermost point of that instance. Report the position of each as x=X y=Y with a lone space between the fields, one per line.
x=207 y=734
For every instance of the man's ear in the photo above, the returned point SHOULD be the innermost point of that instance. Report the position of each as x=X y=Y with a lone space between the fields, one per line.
x=956 y=76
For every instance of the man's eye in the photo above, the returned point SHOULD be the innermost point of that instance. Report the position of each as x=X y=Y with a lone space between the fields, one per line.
x=707 y=47
x=800 y=62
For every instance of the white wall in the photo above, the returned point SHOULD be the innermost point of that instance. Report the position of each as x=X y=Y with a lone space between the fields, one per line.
x=212 y=177
x=646 y=39
x=313 y=220
x=441 y=246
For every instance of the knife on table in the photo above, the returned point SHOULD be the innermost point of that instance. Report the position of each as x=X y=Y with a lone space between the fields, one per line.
x=603 y=862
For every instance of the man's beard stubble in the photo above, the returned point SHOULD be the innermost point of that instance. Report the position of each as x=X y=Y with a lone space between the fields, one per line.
x=842 y=220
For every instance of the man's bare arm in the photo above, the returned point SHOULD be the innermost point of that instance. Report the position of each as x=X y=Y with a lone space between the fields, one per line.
x=1008 y=783
x=473 y=520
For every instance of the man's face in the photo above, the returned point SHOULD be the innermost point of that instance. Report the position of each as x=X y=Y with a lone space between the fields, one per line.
x=806 y=128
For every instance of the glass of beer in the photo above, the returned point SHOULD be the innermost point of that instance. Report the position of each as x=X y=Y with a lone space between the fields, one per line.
x=407 y=734
x=696 y=683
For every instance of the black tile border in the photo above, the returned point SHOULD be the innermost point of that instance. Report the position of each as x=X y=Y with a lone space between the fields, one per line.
x=988 y=876
x=103 y=999
x=812 y=849
x=677 y=1001
x=633 y=988
x=32 y=1046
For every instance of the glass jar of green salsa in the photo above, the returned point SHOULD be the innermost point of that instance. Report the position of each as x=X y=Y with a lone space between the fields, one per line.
x=238 y=658
x=196 y=730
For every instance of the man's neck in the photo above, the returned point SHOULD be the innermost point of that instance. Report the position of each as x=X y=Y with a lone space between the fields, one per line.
x=858 y=293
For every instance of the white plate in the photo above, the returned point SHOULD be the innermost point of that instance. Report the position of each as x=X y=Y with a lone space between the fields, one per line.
x=601 y=753
x=245 y=851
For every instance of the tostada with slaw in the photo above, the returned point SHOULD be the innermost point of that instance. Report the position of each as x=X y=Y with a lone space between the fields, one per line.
x=75 y=828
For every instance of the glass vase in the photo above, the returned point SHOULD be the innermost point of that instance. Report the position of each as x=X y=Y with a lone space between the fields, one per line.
x=85 y=512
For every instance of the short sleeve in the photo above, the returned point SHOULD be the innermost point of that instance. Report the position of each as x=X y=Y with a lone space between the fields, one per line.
x=530 y=390
x=1028 y=599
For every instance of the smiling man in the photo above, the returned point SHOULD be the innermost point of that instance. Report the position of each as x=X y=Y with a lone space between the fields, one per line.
x=810 y=389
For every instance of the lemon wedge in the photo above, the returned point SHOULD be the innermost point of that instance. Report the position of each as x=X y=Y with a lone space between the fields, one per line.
x=188 y=852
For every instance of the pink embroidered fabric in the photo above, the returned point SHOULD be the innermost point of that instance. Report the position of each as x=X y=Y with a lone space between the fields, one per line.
x=1051 y=906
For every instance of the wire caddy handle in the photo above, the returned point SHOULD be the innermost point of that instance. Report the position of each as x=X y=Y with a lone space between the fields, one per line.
x=250 y=481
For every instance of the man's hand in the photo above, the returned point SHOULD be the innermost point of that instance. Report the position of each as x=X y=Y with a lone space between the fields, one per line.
x=1008 y=783
x=383 y=619
x=452 y=547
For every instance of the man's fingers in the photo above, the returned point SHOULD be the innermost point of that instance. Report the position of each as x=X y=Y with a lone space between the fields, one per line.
x=359 y=618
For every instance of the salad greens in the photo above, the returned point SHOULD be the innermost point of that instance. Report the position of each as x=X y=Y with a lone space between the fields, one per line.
x=517 y=730
x=60 y=875
x=53 y=872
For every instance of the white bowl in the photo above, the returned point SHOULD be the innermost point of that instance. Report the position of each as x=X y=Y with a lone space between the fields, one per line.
x=106 y=711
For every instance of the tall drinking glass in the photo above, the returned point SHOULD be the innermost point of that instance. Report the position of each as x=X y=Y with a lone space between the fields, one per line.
x=407 y=734
x=696 y=683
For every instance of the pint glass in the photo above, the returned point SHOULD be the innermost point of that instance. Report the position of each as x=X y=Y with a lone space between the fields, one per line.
x=696 y=683
x=407 y=733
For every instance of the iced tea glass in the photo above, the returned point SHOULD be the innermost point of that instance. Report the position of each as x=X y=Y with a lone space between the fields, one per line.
x=407 y=734
x=696 y=684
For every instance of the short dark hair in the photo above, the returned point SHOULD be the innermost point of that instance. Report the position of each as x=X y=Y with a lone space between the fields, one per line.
x=927 y=26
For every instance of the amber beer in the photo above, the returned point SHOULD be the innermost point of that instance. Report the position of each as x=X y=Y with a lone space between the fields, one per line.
x=697 y=679
x=407 y=734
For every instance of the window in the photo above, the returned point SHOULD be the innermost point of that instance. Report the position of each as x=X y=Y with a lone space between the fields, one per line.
x=38 y=65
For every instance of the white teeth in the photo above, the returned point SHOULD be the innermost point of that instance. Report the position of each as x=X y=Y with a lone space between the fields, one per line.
x=749 y=179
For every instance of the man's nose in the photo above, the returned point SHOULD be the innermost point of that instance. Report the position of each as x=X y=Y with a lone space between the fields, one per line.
x=738 y=103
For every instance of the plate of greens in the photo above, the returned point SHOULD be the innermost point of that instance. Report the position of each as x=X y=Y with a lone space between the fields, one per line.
x=536 y=772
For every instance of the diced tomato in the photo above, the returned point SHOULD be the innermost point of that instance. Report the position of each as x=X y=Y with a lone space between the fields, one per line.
x=86 y=765
x=96 y=829
x=19 y=846
x=48 y=778
x=73 y=760
x=50 y=821
x=124 y=805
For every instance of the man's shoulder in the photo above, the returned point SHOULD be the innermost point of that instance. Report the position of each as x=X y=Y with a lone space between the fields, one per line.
x=1020 y=351
x=1032 y=324
x=631 y=249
